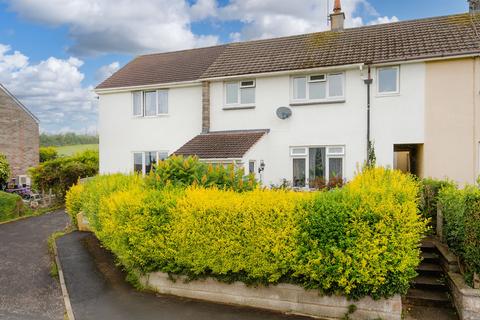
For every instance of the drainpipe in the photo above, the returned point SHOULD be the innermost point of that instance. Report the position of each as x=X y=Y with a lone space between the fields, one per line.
x=368 y=82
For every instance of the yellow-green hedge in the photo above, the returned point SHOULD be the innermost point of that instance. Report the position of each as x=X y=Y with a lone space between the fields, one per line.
x=359 y=240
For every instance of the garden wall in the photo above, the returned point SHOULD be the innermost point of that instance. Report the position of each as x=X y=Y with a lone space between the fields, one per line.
x=285 y=298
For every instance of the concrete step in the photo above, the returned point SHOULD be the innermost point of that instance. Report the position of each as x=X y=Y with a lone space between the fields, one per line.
x=430 y=257
x=428 y=246
x=423 y=313
x=431 y=269
x=428 y=298
x=428 y=282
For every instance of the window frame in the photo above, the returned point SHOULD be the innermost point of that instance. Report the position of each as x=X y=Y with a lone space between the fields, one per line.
x=239 y=103
x=328 y=156
x=308 y=79
x=157 y=155
x=388 y=93
x=143 y=105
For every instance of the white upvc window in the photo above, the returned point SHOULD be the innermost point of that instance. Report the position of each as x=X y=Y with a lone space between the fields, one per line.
x=315 y=164
x=150 y=103
x=318 y=87
x=143 y=161
x=388 y=80
x=240 y=93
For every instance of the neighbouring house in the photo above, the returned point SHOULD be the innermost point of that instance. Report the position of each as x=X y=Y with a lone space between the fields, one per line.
x=19 y=134
x=304 y=107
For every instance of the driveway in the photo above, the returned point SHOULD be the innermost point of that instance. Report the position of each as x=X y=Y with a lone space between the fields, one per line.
x=27 y=291
x=98 y=291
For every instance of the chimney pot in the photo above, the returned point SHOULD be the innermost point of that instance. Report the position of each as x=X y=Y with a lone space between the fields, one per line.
x=337 y=7
x=337 y=18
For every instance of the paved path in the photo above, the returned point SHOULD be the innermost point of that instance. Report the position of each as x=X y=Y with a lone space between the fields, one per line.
x=27 y=291
x=97 y=290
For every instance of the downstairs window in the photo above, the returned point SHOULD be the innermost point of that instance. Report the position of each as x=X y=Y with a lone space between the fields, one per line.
x=315 y=166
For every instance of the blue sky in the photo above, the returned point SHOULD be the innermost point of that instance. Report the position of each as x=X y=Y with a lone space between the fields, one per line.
x=52 y=54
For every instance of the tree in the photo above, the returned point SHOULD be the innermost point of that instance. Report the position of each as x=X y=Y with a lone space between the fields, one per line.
x=4 y=170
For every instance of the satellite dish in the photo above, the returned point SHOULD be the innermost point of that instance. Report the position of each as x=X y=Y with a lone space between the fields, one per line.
x=284 y=113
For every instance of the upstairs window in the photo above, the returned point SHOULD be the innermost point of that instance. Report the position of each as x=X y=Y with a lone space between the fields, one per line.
x=150 y=103
x=240 y=92
x=318 y=87
x=388 y=80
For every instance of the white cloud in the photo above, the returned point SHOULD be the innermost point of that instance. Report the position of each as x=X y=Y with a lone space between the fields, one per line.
x=121 y=26
x=381 y=20
x=203 y=9
x=273 y=18
x=52 y=89
x=106 y=71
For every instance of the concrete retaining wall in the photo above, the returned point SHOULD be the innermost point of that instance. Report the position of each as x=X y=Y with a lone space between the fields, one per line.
x=466 y=299
x=285 y=298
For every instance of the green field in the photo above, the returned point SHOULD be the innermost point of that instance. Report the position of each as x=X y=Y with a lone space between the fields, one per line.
x=71 y=150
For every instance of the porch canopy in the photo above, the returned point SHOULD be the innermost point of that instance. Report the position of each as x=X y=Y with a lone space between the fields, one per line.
x=222 y=144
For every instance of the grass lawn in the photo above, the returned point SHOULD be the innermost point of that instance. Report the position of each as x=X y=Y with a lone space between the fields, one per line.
x=71 y=150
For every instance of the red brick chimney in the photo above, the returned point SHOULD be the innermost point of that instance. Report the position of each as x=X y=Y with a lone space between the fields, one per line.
x=337 y=18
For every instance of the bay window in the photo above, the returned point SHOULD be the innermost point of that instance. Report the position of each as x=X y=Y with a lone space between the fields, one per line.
x=143 y=161
x=150 y=103
x=318 y=87
x=240 y=93
x=314 y=165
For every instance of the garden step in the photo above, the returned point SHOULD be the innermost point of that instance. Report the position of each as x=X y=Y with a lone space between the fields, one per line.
x=430 y=282
x=429 y=269
x=428 y=246
x=430 y=257
x=428 y=298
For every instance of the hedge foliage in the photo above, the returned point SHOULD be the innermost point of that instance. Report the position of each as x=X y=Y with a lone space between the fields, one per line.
x=4 y=170
x=461 y=211
x=11 y=206
x=47 y=154
x=359 y=240
x=182 y=172
x=430 y=188
x=60 y=174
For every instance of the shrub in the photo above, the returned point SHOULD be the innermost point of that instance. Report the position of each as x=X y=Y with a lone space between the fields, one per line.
x=250 y=236
x=135 y=224
x=11 y=206
x=4 y=170
x=73 y=201
x=430 y=189
x=461 y=211
x=47 y=154
x=88 y=197
x=182 y=172
x=359 y=240
x=60 y=174
x=363 y=239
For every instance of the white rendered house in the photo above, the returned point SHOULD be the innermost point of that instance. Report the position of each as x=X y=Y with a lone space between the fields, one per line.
x=304 y=107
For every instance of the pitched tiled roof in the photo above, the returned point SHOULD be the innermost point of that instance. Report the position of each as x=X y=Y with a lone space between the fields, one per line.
x=167 y=67
x=221 y=144
x=394 y=42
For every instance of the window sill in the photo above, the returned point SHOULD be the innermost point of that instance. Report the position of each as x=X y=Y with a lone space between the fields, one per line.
x=238 y=107
x=152 y=117
x=386 y=95
x=310 y=103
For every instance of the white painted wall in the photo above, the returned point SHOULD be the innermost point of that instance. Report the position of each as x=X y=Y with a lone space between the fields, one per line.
x=121 y=134
x=395 y=119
